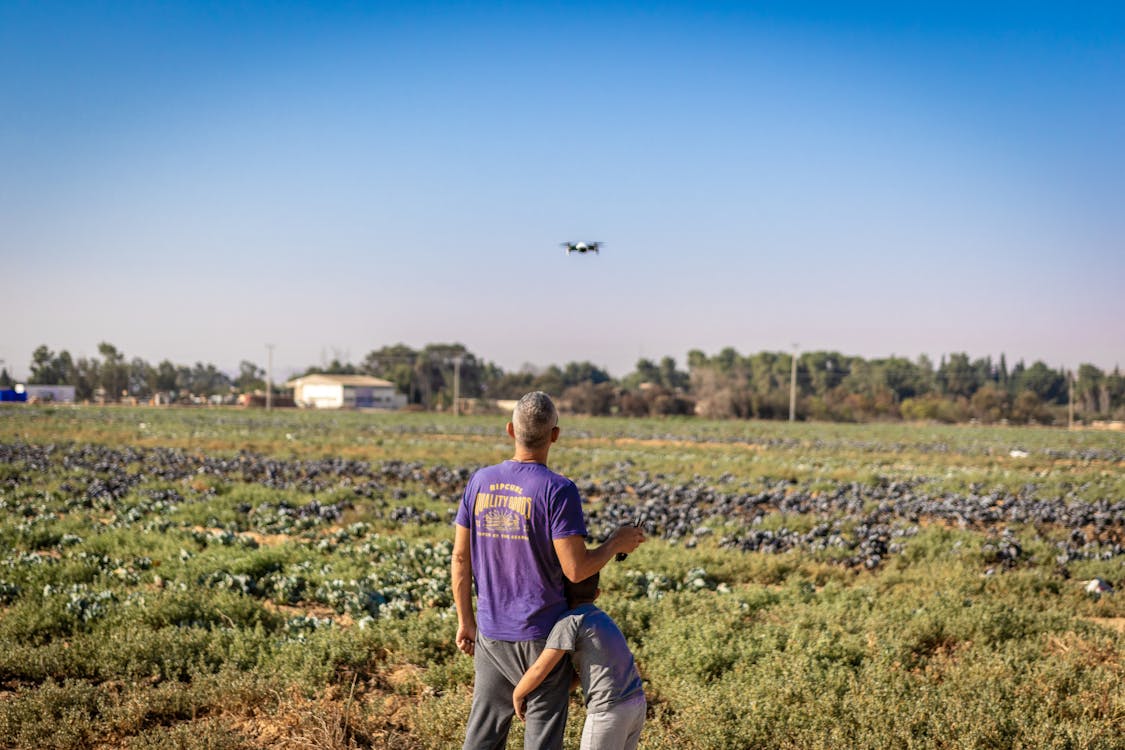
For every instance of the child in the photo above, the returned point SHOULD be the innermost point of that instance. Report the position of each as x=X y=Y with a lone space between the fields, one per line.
x=615 y=701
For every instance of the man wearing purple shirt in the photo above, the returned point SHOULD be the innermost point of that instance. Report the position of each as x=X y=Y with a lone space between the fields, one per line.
x=519 y=531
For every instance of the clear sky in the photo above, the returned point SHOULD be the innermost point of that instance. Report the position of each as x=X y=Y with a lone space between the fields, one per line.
x=192 y=181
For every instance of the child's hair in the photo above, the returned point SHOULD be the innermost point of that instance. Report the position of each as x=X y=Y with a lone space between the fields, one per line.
x=583 y=591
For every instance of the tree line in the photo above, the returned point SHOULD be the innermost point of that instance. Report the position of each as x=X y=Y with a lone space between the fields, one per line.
x=112 y=377
x=829 y=385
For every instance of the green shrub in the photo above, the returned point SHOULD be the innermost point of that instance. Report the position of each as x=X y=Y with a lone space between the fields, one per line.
x=206 y=734
x=53 y=715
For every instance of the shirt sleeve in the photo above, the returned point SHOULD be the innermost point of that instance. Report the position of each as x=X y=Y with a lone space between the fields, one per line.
x=566 y=513
x=564 y=634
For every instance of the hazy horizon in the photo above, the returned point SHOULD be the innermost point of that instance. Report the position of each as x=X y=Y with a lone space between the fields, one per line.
x=288 y=370
x=194 y=181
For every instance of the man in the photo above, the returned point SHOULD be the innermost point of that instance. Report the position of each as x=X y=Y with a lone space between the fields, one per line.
x=519 y=531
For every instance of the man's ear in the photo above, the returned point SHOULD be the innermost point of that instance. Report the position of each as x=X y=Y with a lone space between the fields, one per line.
x=511 y=431
x=554 y=433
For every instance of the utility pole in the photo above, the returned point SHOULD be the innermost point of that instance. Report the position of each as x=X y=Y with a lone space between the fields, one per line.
x=1069 y=400
x=456 y=385
x=269 y=378
x=793 y=387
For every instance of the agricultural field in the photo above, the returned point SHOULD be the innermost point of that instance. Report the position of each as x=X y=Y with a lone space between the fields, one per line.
x=219 y=578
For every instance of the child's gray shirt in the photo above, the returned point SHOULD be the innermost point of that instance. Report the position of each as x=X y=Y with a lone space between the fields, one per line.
x=600 y=655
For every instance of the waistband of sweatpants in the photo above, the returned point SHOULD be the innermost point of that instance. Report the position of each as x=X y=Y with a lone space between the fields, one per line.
x=637 y=697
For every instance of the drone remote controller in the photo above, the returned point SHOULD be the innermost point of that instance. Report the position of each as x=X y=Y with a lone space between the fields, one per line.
x=622 y=555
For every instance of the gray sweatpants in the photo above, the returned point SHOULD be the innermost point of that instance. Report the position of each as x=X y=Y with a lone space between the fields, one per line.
x=617 y=727
x=499 y=666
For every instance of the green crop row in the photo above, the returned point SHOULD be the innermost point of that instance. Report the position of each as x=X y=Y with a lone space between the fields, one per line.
x=305 y=605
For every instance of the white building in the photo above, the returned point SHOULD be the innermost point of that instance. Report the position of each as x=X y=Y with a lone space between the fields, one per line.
x=41 y=394
x=345 y=392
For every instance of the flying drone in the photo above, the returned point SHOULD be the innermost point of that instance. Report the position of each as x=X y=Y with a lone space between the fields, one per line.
x=581 y=247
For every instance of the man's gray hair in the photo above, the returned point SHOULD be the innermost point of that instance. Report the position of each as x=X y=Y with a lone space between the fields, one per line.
x=533 y=419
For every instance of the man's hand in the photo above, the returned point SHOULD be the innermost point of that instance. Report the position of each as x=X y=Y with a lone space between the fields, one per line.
x=461 y=574
x=520 y=705
x=626 y=539
x=579 y=563
x=467 y=638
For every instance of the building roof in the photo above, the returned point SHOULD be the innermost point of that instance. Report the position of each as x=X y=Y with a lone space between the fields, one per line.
x=353 y=380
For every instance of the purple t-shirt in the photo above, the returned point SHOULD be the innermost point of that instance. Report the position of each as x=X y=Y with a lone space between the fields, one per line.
x=514 y=511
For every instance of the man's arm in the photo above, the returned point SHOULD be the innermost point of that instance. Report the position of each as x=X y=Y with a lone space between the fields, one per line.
x=534 y=677
x=461 y=573
x=579 y=563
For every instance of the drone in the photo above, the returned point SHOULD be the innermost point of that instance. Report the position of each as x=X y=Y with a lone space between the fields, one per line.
x=581 y=247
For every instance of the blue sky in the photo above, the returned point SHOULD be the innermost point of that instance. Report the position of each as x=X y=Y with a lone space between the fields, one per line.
x=192 y=181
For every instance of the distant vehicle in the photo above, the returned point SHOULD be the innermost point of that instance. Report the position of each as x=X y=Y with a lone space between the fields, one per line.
x=581 y=247
x=15 y=395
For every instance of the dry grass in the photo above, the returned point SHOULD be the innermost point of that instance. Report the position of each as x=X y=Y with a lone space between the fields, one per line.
x=1114 y=623
x=359 y=718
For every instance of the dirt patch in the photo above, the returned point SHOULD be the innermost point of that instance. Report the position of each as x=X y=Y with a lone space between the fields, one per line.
x=1074 y=647
x=660 y=443
x=344 y=722
x=405 y=676
x=320 y=612
x=1114 y=623
x=262 y=540
x=268 y=540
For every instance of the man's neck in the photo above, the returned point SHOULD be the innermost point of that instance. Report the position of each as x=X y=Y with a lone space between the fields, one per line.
x=525 y=456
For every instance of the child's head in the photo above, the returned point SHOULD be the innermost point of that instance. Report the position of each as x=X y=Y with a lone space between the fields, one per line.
x=583 y=591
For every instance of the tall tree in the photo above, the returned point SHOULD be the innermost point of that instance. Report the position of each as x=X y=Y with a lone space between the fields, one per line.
x=397 y=364
x=490 y=375
x=985 y=372
x=1115 y=386
x=696 y=359
x=335 y=367
x=825 y=370
x=1028 y=407
x=166 y=378
x=670 y=377
x=903 y=377
x=1049 y=385
x=250 y=378
x=114 y=374
x=958 y=377
x=48 y=368
x=588 y=397
x=512 y=384
x=207 y=380
x=575 y=373
x=437 y=365
x=42 y=367
x=87 y=378
x=645 y=371
x=727 y=360
x=141 y=378
x=989 y=404
x=64 y=366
